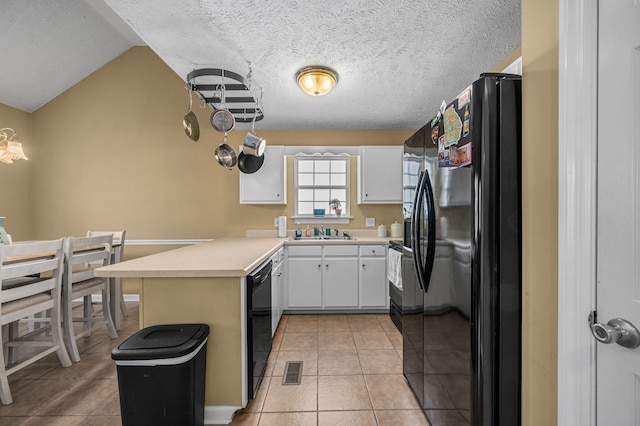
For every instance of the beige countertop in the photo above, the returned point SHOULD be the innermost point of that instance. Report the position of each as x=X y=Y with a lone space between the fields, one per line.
x=223 y=257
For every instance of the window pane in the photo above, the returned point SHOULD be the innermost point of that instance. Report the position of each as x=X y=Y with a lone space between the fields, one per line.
x=322 y=166
x=305 y=179
x=338 y=179
x=305 y=194
x=305 y=208
x=322 y=205
x=305 y=166
x=322 y=179
x=322 y=195
x=340 y=194
x=339 y=166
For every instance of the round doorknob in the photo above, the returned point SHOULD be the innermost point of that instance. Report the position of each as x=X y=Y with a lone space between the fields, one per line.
x=618 y=331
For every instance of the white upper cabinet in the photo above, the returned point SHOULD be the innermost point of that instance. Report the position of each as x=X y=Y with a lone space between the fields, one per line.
x=269 y=184
x=380 y=175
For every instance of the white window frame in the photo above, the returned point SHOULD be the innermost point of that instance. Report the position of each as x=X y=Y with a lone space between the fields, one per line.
x=329 y=217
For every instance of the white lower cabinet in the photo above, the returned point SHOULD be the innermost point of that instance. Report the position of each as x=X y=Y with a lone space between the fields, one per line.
x=373 y=277
x=304 y=277
x=340 y=277
x=331 y=277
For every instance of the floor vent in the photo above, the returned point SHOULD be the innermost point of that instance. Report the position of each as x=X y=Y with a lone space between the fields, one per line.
x=292 y=373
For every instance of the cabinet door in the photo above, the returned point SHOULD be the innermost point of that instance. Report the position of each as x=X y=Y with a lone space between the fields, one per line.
x=305 y=283
x=373 y=282
x=267 y=185
x=340 y=282
x=380 y=175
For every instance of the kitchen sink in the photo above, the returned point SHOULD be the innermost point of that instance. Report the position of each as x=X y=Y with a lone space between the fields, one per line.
x=323 y=238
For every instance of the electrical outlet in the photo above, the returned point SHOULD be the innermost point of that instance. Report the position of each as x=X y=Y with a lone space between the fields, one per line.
x=370 y=221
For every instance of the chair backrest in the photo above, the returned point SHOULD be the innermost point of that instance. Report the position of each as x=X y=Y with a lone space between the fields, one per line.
x=41 y=260
x=91 y=252
x=118 y=240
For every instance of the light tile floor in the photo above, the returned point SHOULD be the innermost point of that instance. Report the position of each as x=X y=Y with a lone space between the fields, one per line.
x=352 y=375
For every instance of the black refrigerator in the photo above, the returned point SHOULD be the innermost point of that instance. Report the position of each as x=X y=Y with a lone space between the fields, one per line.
x=462 y=263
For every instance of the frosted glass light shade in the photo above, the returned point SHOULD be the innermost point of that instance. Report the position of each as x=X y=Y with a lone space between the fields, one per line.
x=317 y=80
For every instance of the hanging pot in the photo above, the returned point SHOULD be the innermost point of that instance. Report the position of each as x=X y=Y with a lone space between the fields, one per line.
x=249 y=164
x=225 y=155
x=221 y=119
x=190 y=123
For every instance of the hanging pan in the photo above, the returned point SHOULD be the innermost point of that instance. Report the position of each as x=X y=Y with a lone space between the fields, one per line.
x=249 y=164
x=190 y=123
x=251 y=158
x=225 y=155
x=221 y=119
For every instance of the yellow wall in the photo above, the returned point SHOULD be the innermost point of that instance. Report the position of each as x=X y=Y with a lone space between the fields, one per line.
x=540 y=211
x=114 y=156
x=15 y=179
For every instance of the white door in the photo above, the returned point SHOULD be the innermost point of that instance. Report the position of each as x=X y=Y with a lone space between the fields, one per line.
x=618 y=237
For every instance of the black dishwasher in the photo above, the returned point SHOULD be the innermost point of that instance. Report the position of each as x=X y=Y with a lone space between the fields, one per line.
x=258 y=325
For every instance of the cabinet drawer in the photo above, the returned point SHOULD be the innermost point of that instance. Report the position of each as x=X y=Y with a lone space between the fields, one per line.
x=373 y=251
x=306 y=250
x=340 y=250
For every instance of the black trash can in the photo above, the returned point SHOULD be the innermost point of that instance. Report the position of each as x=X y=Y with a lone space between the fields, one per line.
x=161 y=375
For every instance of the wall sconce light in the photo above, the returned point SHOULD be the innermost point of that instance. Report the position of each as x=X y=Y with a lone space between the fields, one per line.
x=10 y=148
x=317 y=80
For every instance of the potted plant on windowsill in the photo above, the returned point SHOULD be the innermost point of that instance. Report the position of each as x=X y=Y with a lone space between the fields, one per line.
x=336 y=206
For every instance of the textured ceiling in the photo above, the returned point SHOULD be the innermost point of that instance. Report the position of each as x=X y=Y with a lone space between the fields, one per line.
x=397 y=60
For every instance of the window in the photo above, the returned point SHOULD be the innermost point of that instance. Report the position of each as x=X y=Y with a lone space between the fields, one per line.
x=319 y=179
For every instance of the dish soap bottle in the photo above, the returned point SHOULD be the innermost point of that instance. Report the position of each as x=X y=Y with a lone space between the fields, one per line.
x=298 y=232
x=307 y=233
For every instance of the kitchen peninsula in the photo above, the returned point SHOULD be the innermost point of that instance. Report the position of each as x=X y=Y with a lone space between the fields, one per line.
x=206 y=283
x=203 y=283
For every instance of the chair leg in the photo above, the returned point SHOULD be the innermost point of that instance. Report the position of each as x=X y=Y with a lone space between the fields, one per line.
x=58 y=339
x=13 y=334
x=69 y=335
x=87 y=312
x=106 y=313
x=123 y=306
x=5 y=392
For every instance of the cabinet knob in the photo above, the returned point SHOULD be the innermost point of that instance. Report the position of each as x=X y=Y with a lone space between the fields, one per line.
x=363 y=266
x=278 y=195
x=319 y=266
x=373 y=251
x=327 y=266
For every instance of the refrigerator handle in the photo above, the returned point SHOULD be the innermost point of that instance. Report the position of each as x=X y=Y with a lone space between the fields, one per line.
x=415 y=230
x=431 y=230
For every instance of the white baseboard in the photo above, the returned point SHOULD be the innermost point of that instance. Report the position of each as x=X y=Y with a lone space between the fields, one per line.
x=219 y=414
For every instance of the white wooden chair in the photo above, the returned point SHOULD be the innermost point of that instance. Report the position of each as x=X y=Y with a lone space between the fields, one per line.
x=117 y=255
x=82 y=255
x=31 y=277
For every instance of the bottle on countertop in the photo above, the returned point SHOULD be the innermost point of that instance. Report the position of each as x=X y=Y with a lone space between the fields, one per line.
x=315 y=231
x=298 y=232
x=307 y=233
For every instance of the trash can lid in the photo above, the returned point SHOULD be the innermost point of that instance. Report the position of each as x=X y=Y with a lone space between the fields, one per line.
x=162 y=341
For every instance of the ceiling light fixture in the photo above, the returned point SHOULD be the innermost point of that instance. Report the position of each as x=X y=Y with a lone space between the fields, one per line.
x=10 y=148
x=317 y=80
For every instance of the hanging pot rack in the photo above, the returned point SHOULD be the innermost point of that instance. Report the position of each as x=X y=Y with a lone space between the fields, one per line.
x=238 y=99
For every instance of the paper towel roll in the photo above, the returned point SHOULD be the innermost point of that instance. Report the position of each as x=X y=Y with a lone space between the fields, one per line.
x=282 y=226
